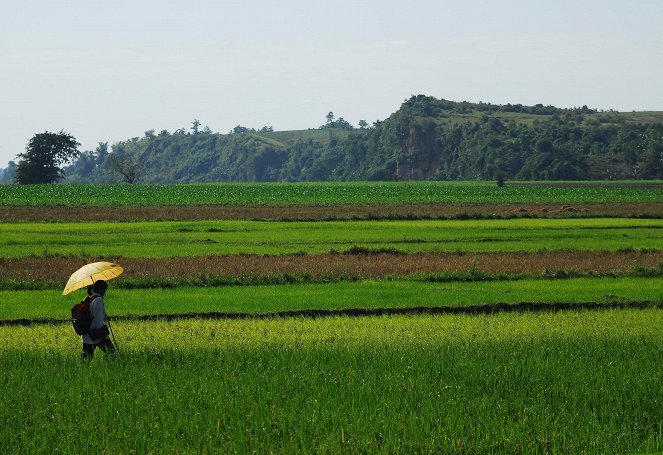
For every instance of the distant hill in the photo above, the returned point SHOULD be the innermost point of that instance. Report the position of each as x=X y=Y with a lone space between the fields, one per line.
x=426 y=138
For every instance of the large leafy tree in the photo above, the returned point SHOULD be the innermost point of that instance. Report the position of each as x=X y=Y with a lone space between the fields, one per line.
x=43 y=156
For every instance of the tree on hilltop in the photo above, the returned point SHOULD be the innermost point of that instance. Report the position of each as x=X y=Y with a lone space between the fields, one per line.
x=330 y=118
x=195 y=126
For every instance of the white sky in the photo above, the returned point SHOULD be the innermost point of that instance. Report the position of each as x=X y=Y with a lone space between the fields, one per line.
x=110 y=70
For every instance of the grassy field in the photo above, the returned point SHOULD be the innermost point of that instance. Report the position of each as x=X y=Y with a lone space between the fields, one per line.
x=531 y=383
x=554 y=345
x=365 y=294
x=162 y=239
x=318 y=135
x=327 y=193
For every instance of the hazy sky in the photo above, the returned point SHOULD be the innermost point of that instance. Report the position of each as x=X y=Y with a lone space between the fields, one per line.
x=110 y=70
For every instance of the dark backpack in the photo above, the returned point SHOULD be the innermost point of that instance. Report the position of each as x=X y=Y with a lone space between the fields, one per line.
x=81 y=317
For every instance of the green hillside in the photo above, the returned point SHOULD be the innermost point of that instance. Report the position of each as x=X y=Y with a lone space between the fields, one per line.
x=425 y=139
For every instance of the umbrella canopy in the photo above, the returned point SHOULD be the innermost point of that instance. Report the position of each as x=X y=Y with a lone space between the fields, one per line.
x=90 y=273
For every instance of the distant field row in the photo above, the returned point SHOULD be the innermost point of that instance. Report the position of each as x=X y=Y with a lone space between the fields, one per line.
x=365 y=294
x=329 y=193
x=202 y=238
x=52 y=272
x=376 y=211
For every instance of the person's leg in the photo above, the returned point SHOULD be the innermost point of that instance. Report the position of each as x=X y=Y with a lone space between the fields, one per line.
x=107 y=346
x=88 y=351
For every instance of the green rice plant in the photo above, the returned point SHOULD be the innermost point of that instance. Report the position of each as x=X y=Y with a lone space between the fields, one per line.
x=200 y=238
x=335 y=296
x=574 y=382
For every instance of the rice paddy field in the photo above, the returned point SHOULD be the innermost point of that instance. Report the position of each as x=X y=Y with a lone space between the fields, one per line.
x=399 y=317
x=167 y=239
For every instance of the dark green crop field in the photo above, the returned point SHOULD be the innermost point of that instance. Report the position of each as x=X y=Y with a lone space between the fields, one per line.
x=327 y=193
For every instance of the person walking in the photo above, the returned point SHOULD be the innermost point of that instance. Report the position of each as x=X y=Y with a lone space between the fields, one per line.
x=98 y=336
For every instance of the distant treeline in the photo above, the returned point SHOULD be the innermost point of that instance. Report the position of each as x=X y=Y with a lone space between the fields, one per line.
x=426 y=138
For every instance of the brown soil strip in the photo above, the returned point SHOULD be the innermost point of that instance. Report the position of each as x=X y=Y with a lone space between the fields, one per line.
x=340 y=212
x=374 y=265
x=491 y=308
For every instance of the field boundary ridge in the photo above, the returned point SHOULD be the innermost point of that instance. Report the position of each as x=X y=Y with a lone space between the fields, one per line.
x=483 y=309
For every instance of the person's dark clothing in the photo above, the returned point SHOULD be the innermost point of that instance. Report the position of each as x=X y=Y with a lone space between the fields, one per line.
x=98 y=336
x=98 y=314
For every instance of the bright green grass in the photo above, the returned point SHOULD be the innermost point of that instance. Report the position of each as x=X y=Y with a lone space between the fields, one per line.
x=197 y=238
x=587 y=382
x=327 y=193
x=321 y=135
x=365 y=294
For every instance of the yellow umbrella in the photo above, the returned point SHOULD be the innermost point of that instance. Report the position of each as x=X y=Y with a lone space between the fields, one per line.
x=90 y=273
